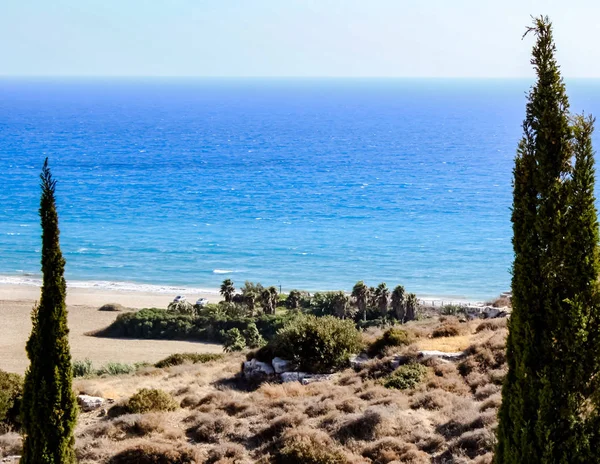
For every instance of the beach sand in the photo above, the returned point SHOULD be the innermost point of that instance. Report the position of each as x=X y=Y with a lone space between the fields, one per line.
x=16 y=302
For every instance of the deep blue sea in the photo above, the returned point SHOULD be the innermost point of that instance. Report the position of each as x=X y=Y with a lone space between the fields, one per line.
x=310 y=184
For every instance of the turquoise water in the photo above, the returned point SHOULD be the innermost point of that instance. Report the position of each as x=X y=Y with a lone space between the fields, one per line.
x=310 y=184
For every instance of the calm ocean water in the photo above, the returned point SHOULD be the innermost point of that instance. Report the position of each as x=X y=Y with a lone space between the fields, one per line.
x=309 y=184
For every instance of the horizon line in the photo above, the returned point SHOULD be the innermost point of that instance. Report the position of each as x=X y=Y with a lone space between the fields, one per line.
x=142 y=76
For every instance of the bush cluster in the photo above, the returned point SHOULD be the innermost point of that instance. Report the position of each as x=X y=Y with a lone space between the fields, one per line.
x=392 y=337
x=317 y=344
x=86 y=368
x=151 y=399
x=210 y=325
x=11 y=389
x=193 y=358
x=406 y=376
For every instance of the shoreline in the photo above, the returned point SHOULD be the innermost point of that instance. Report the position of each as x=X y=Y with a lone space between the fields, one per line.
x=137 y=296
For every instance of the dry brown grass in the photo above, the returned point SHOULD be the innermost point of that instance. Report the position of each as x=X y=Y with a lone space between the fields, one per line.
x=448 y=417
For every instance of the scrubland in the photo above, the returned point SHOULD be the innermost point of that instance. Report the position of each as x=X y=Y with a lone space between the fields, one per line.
x=446 y=412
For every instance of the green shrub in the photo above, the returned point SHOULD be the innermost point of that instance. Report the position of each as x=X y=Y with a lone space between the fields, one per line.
x=182 y=307
x=253 y=337
x=406 y=376
x=209 y=325
x=391 y=337
x=150 y=399
x=83 y=368
x=233 y=340
x=115 y=368
x=318 y=344
x=11 y=389
x=452 y=310
x=192 y=358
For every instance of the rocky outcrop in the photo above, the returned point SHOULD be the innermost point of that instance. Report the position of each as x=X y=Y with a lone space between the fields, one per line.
x=257 y=371
x=90 y=403
x=281 y=365
x=278 y=369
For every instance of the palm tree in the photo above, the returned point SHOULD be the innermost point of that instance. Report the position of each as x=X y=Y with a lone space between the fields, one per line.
x=399 y=303
x=360 y=292
x=382 y=293
x=227 y=290
x=293 y=300
x=412 y=303
x=273 y=299
x=341 y=304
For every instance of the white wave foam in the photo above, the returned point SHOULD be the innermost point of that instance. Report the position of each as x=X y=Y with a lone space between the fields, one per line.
x=224 y=271
x=108 y=285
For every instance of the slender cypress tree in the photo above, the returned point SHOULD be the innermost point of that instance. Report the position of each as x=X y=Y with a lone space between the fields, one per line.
x=548 y=395
x=49 y=408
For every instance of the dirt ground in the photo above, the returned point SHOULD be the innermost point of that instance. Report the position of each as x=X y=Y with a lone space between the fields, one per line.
x=16 y=326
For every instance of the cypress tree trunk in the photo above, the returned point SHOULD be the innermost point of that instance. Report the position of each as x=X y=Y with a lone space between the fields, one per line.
x=49 y=407
x=548 y=401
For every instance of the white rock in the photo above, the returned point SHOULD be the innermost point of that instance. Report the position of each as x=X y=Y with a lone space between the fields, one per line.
x=89 y=403
x=357 y=361
x=315 y=378
x=442 y=354
x=281 y=365
x=254 y=369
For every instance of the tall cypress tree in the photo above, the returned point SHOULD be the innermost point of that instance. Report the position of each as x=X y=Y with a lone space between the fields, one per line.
x=49 y=408
x=548 y=395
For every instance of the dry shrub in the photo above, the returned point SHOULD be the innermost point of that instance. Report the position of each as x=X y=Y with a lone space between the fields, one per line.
x=283 y=390
x=320 y=408
x=492 y=325
x=277 y=427
x=389 y=450
x=376 y=368
x=11 y=444
x=151 y=399
x=374 y=423
x=496 y=376
x=307 y=446
x=208 y=428
x=349 y=379
x=190 y=401
x=139 y=424
x=239 y=408
x=112 y=307
x=490 y=354
x=227 y=453
x=485 y=391
x=433 y=400
x=448 y=329
x=374 y=392
x=475 y=442
x=148 y=453
x=501 y=302
x=493 y=402
x=349 y=405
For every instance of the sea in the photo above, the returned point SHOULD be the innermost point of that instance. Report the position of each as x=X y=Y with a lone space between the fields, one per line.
x=175 y=184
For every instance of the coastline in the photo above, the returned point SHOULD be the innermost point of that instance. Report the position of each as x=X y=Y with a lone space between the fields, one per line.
x=137 y=295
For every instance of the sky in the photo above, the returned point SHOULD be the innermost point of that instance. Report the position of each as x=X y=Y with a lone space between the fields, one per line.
x=302 y=38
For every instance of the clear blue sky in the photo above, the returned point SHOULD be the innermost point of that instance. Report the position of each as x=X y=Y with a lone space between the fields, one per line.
x=408 y=38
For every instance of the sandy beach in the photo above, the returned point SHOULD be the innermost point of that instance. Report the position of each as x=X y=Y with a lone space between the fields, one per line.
x=16 y=302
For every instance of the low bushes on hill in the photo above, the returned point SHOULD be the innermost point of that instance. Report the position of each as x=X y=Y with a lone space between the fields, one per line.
x=317 y=344
x=406 y=376
x=192 y=358
x=448 y=329
x=393 y=337
x=11 y=389
x=151 y=399
x=154 y=323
